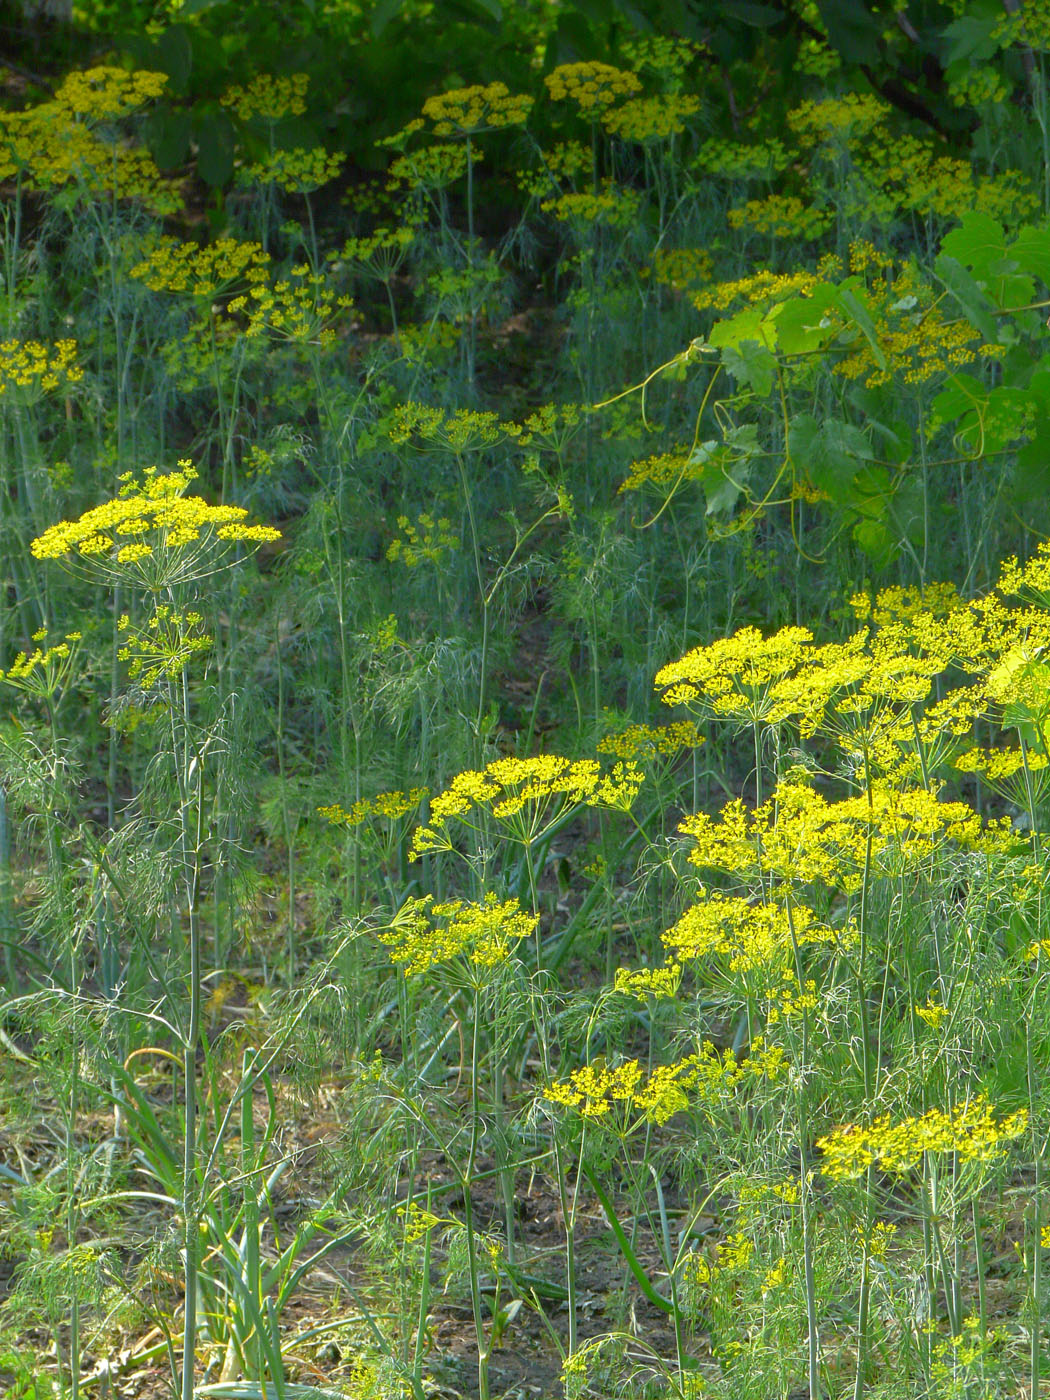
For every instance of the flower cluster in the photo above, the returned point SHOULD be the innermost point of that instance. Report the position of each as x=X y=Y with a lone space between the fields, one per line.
x=969 y=1130
x=467 y=111
x=1032 y=580
x=732 y=676
x=164 y=647
x=43 y=671
x=428 y=539
x=916 y=341
x=144 y=531
x=300 y=307
x=906 y=173
x=615 y=205
x=418 y=1222
x=645 y=119
x=52 y=149
x=642 y=741
x=747 y=936
x=781 y=216
x=996 y=766
x=800 y=836
x=102 y=93
x=764 y=288
x=670 y=58
x=667 y=469
x=297 y=171
x=734 y=1253
x=563 y=161
x=526 y=794
x=268 y=96
x=739 y=162
x=852 y=116
x=682 y=269
x=646 y=982
x=465 y=430
x=595 y=1090
x=423 y=934
x=594 y=87
x=381 y=254
x=36 y=368
x=388 y=805
x=551 y=426
x=204 y=271
x=430 y=167
x=906 y=603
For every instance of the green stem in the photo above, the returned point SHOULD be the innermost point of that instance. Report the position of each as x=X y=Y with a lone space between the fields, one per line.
x=468 y=1208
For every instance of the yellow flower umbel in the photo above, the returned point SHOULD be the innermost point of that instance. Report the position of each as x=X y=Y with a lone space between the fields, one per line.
x=594 y=87
x=268 y=96
x=428 y=539
x=526 y=795
x=467 y=111
x=799 y=836
x=204 y=272
x=297 y=171
x=44 y=671
x=164 y=647
x=969 y=1130
x=424 y=935
x=152 y=534
x=596 y=1091
x=612 y=204
x=747 y=936
x=651 y=119
x=681 y=269
x=30 y=369
x=389 y=805
x=731 y=678
x=55 y=143
x=301 y=307
x=645 y=742
x=103 y=93
x=781 y=216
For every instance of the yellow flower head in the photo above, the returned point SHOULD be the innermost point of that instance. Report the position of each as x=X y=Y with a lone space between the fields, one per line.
x=269 y=96
x=202 y=271
x=731 y=677
x=29 y=368
x=594 y=87
x=424 y=935
x=105 y=92
x=970 y=1130
x=525 y=795
x=152 y=533
x=466 y=111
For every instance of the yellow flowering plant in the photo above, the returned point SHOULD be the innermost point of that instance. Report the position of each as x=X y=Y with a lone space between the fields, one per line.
x=268 y=97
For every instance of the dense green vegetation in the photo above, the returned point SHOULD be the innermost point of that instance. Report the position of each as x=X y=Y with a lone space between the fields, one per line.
x=523 y=720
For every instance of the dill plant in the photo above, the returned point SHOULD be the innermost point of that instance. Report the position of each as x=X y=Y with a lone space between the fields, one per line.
x=156 y=540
